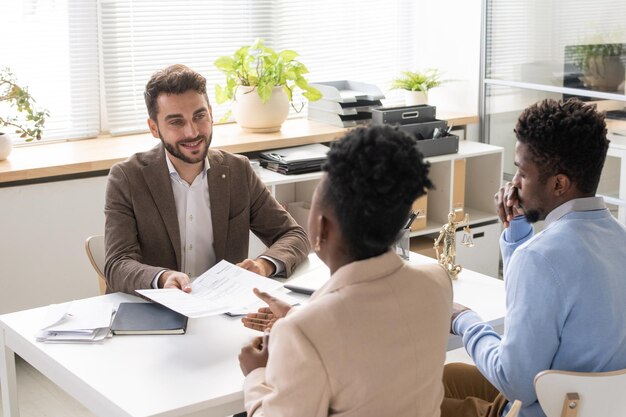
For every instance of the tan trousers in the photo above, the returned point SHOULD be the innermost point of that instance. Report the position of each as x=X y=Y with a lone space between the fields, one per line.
x=469 y=394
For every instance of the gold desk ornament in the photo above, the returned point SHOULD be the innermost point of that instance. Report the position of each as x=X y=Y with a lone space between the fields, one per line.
x=445 y=244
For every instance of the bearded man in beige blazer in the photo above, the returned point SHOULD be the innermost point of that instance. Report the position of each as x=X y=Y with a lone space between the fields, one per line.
x=371 y=341
x=176 y=210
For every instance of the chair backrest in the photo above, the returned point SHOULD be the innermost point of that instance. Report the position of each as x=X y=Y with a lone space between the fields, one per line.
x=514 y=410
x=581 y=394
x=94 y=245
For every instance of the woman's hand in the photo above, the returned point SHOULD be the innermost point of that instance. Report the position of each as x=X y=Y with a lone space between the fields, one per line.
x=265 y=318
x=254 y=355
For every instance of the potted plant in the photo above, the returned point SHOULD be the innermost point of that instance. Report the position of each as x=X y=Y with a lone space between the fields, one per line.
x=28 y=127
x=602 y=65
x=261 y=82
x=416 y=85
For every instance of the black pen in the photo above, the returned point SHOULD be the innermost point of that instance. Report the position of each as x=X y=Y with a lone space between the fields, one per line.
x=412 y=217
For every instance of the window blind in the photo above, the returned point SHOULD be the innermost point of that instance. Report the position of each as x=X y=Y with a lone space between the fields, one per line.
x=364 y=40
x=536 y=32
x=141 y=37
x=88 y=60
x=367 y=40
x=52 y=47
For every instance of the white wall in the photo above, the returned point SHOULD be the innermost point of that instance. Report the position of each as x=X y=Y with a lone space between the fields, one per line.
x=449 y=39
x=43 y=228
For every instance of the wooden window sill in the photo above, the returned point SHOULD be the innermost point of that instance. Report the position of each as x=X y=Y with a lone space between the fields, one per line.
x=28 y=163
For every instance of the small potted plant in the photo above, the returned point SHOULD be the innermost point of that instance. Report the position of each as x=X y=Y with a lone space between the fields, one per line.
x=261 y=82
x=416 y=85
x=602 y=65
x=28 y=127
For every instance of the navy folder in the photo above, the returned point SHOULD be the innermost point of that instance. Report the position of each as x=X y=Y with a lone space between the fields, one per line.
x=147 y=318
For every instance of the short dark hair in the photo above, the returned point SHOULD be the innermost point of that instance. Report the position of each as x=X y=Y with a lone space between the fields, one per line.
x=175 y=79
x=565 y=137
x=373 y=176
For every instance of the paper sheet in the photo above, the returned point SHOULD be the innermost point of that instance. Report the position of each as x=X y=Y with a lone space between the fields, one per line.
x=78 y=317
x=76 y=322
x=222 y=288
x=281 y=294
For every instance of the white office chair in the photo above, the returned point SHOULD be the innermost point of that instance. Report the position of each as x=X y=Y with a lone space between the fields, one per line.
x=514 y=410
x=581 y=394
x=94 y=245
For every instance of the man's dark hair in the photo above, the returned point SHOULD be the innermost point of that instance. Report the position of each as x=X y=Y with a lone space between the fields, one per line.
x=373 y=176
x=565 y=138
x=175 y=79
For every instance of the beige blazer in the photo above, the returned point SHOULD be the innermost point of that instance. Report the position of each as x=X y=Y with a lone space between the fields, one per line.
x=371 y=342
x=142 y=236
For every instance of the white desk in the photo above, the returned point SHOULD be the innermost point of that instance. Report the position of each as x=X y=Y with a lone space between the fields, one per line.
x=167 y=375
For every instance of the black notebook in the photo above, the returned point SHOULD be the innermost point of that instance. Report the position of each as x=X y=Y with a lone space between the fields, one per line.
x=147 y=318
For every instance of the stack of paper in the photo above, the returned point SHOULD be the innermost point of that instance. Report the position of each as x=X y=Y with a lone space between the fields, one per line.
x=76 y=323
x=345 y=103
x=296 y=160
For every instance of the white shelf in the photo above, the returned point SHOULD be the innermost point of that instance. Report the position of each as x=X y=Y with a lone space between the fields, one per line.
x=467 y=149
x=483 y=177
x=475 y=216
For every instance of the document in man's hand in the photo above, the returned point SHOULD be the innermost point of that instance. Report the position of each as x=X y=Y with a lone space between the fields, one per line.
x=147 y=318
x=222 y=288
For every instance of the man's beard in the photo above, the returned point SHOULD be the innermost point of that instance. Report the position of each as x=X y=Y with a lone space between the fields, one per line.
x=175 y=151
x=533 y=216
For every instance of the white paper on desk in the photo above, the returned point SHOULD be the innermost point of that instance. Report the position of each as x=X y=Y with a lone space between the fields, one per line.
x=220 y=289
x=78 y=317
x=95 y=335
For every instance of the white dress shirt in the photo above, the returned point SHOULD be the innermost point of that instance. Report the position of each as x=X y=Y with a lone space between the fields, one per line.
x=193 y=210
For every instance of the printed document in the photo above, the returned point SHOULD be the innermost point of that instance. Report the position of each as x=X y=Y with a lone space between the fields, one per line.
x=223 y=288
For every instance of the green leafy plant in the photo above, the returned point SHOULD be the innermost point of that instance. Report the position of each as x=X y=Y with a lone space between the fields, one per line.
x=19 y=97
x=418 y=80
x=583 y=53
x=261 y=67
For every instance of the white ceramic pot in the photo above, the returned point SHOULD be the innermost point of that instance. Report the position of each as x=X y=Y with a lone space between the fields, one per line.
x=6 y=146
x=414 y=98
x=254 y=115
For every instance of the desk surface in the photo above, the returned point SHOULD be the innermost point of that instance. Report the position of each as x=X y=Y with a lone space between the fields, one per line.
x=92 y=155
x=168 y=375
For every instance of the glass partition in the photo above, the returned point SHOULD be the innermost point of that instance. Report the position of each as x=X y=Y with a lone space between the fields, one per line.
x=538 y=49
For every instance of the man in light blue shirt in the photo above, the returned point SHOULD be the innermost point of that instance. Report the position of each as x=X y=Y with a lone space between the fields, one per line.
x=565 y=286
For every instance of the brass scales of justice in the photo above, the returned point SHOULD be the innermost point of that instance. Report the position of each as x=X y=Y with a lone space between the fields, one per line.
x=445 y=243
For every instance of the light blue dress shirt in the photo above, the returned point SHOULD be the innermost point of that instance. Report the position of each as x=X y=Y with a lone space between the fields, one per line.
x=565 y=300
